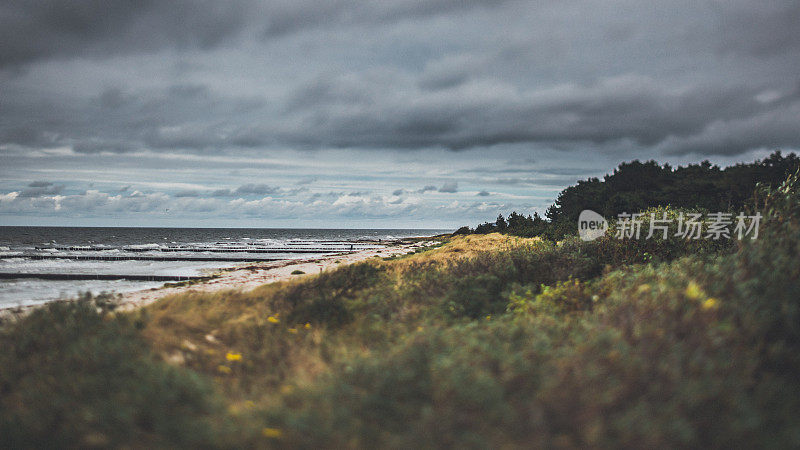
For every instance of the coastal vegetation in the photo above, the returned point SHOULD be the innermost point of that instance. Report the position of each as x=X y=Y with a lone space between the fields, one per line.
x=636 y=186
x=488 y=340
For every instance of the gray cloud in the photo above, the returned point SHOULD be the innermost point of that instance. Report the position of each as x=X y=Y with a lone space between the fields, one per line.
x=37 y=29
x=259 y=189
x=450 y=187
x=186 y=193
x=759 y=32
x=222 y=193
x=451 y=91
x=286 y=17
x=40 y=189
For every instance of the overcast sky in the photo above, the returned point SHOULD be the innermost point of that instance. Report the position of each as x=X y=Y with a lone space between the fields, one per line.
x=391 y=113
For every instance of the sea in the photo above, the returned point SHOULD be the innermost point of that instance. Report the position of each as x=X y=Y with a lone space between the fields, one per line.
x=43 y=264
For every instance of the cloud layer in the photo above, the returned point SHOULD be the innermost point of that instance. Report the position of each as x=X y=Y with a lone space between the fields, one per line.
x=202 y=84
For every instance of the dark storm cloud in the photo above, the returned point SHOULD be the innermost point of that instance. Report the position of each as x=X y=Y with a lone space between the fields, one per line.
x=640 y=109
x=176 y=116
x=37 y=29
x=760 y=32
x=679 y=77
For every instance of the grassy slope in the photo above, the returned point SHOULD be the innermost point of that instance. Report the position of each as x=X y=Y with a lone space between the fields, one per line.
x=486 y=341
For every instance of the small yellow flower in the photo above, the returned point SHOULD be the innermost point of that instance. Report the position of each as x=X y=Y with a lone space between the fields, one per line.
x=710 y=303
x=224 y=369
x=643 y=288
x=307 y=326
x=293 y=330
x=233 y=356
x=272 y=319
x=249 y=404
x=694 y=291
x=273 y=433
x=419 y=328
x=489 y=317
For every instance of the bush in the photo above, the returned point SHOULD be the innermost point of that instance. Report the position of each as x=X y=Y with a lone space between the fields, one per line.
x=323 y=299
x=475 y=297
x=564 y=297
x=71 y=376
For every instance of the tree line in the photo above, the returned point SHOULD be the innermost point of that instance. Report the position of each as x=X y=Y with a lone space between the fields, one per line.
x=635 y=186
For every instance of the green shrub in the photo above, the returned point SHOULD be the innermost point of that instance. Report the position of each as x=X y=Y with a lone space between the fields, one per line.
x=71 y=376
x=323 y=299
x=563 y=297
x=475 y=297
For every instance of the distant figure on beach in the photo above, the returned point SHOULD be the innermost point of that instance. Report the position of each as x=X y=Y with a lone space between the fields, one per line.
x=351 y=247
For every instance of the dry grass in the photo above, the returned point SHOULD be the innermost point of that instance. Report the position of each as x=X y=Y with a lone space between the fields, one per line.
x=198 y=329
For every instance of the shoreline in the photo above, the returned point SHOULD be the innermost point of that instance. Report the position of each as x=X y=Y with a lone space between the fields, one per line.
x=247 y=276
x=253 y=275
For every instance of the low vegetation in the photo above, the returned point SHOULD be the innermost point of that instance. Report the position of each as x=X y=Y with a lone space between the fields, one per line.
x=486 y=341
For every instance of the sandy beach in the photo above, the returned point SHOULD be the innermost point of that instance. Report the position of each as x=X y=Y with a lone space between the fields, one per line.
x=251 y=275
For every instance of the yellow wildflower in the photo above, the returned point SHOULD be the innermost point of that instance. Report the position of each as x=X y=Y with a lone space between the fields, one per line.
x=293 y=330
x=694 y=291
x=710 y=303
x=273 y=433
x=249 y=404
x=643 y=288
x=224 y=369
x=307 y=326
x=233 y=356
x=489 y=317
x=272 y=319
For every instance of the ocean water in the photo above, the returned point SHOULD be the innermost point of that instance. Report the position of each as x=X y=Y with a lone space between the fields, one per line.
x=131 y=255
